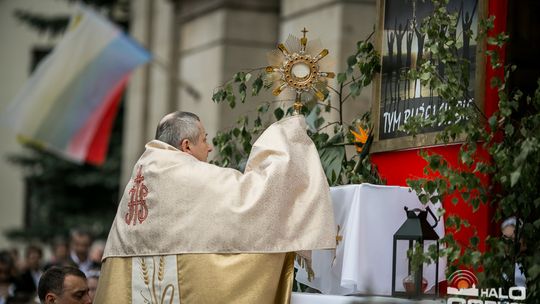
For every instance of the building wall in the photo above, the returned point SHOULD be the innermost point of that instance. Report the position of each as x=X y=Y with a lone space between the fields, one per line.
x=220 y=37
x=147 y=93
x=197 y=46
x=214 y=40
x=18 y=41
x=338 y=25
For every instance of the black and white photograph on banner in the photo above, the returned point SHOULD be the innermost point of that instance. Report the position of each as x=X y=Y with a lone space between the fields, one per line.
x=403 y=49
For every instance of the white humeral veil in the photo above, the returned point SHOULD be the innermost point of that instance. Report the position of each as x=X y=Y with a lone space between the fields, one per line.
x=191 y=232
x=281 y=203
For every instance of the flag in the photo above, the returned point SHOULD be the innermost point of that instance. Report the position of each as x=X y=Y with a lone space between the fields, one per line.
x=69 y=103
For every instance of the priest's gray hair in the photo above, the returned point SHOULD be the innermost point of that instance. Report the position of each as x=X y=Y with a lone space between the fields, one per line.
x=177 y=126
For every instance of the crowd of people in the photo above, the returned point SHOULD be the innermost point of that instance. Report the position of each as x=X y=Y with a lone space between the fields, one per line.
x=22 y=278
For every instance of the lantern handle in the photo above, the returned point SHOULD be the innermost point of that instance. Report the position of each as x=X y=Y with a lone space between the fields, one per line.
x=434 y=217
x=413 y=210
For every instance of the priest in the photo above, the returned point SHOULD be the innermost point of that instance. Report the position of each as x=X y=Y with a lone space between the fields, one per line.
x=191 y=232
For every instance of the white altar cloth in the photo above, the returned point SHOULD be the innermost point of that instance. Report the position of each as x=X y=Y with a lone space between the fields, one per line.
x=368 y=215
x=312 y=298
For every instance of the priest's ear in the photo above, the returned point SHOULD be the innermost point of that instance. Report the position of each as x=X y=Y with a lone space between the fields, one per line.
x=184 y=145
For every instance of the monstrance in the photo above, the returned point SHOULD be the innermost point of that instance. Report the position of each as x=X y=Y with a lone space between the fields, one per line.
x=298 y=68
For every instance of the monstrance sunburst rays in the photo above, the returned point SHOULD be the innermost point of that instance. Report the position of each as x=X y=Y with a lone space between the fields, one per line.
x=296 y=66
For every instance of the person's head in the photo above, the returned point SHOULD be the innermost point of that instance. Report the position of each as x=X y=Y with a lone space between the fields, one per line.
x=80 y=243
x=33 y=257
x=184 y=131
x=63 y=285
x=7 y=267
x=60 y=249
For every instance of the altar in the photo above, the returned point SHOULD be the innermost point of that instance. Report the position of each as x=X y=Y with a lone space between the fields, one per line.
x=367 y=217
x=311 y=298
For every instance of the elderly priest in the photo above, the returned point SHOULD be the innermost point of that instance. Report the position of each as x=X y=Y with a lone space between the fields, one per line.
x=190 y=232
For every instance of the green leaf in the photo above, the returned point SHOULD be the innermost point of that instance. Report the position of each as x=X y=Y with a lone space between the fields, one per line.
x=466 y=157
x=232 y=100
x=351 y=60
x=257 y=122
x=509 y=130
x=492 y=122
x=355 y=89
x=242 y=90
x=239 y=77
x=278 y=113
x=263 y=108
x=514 y=177
x=534 y=272
x=341 y=77
x=218 y=96
x=434 y=162
x=331 y=160
x=311 y=119
x=229 y=89
x=257 y=85
x=425 y=76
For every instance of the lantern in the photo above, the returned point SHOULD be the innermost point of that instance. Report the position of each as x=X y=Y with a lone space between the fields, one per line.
x=414 y=233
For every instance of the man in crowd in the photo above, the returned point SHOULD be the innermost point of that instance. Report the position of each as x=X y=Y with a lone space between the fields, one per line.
x=29 y=278
x=60 y=253
x=190 y=232
x=63 y=285
x=80 y=243
x=7 y=277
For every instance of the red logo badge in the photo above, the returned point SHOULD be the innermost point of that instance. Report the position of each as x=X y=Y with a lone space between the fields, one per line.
x=138 y=211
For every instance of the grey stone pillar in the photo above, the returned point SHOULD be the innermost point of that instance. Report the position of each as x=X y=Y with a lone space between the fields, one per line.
x=220 y=38
x=197 y=46
x=148 y=90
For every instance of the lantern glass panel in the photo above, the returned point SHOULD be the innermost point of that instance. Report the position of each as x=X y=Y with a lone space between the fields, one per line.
x=405 y=279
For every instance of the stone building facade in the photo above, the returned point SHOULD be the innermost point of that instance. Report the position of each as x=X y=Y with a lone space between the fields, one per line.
x=197 y=46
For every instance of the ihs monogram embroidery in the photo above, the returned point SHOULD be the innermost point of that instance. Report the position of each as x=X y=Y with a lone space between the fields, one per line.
x=138 y=211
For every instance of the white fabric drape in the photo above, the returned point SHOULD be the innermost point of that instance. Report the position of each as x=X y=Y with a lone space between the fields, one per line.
x=368 y=215
x=281 y=203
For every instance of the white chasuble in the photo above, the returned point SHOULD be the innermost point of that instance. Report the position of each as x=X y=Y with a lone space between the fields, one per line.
x=238 y=227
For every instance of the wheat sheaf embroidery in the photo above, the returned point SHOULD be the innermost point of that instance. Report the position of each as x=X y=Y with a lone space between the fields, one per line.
x=159 y=292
